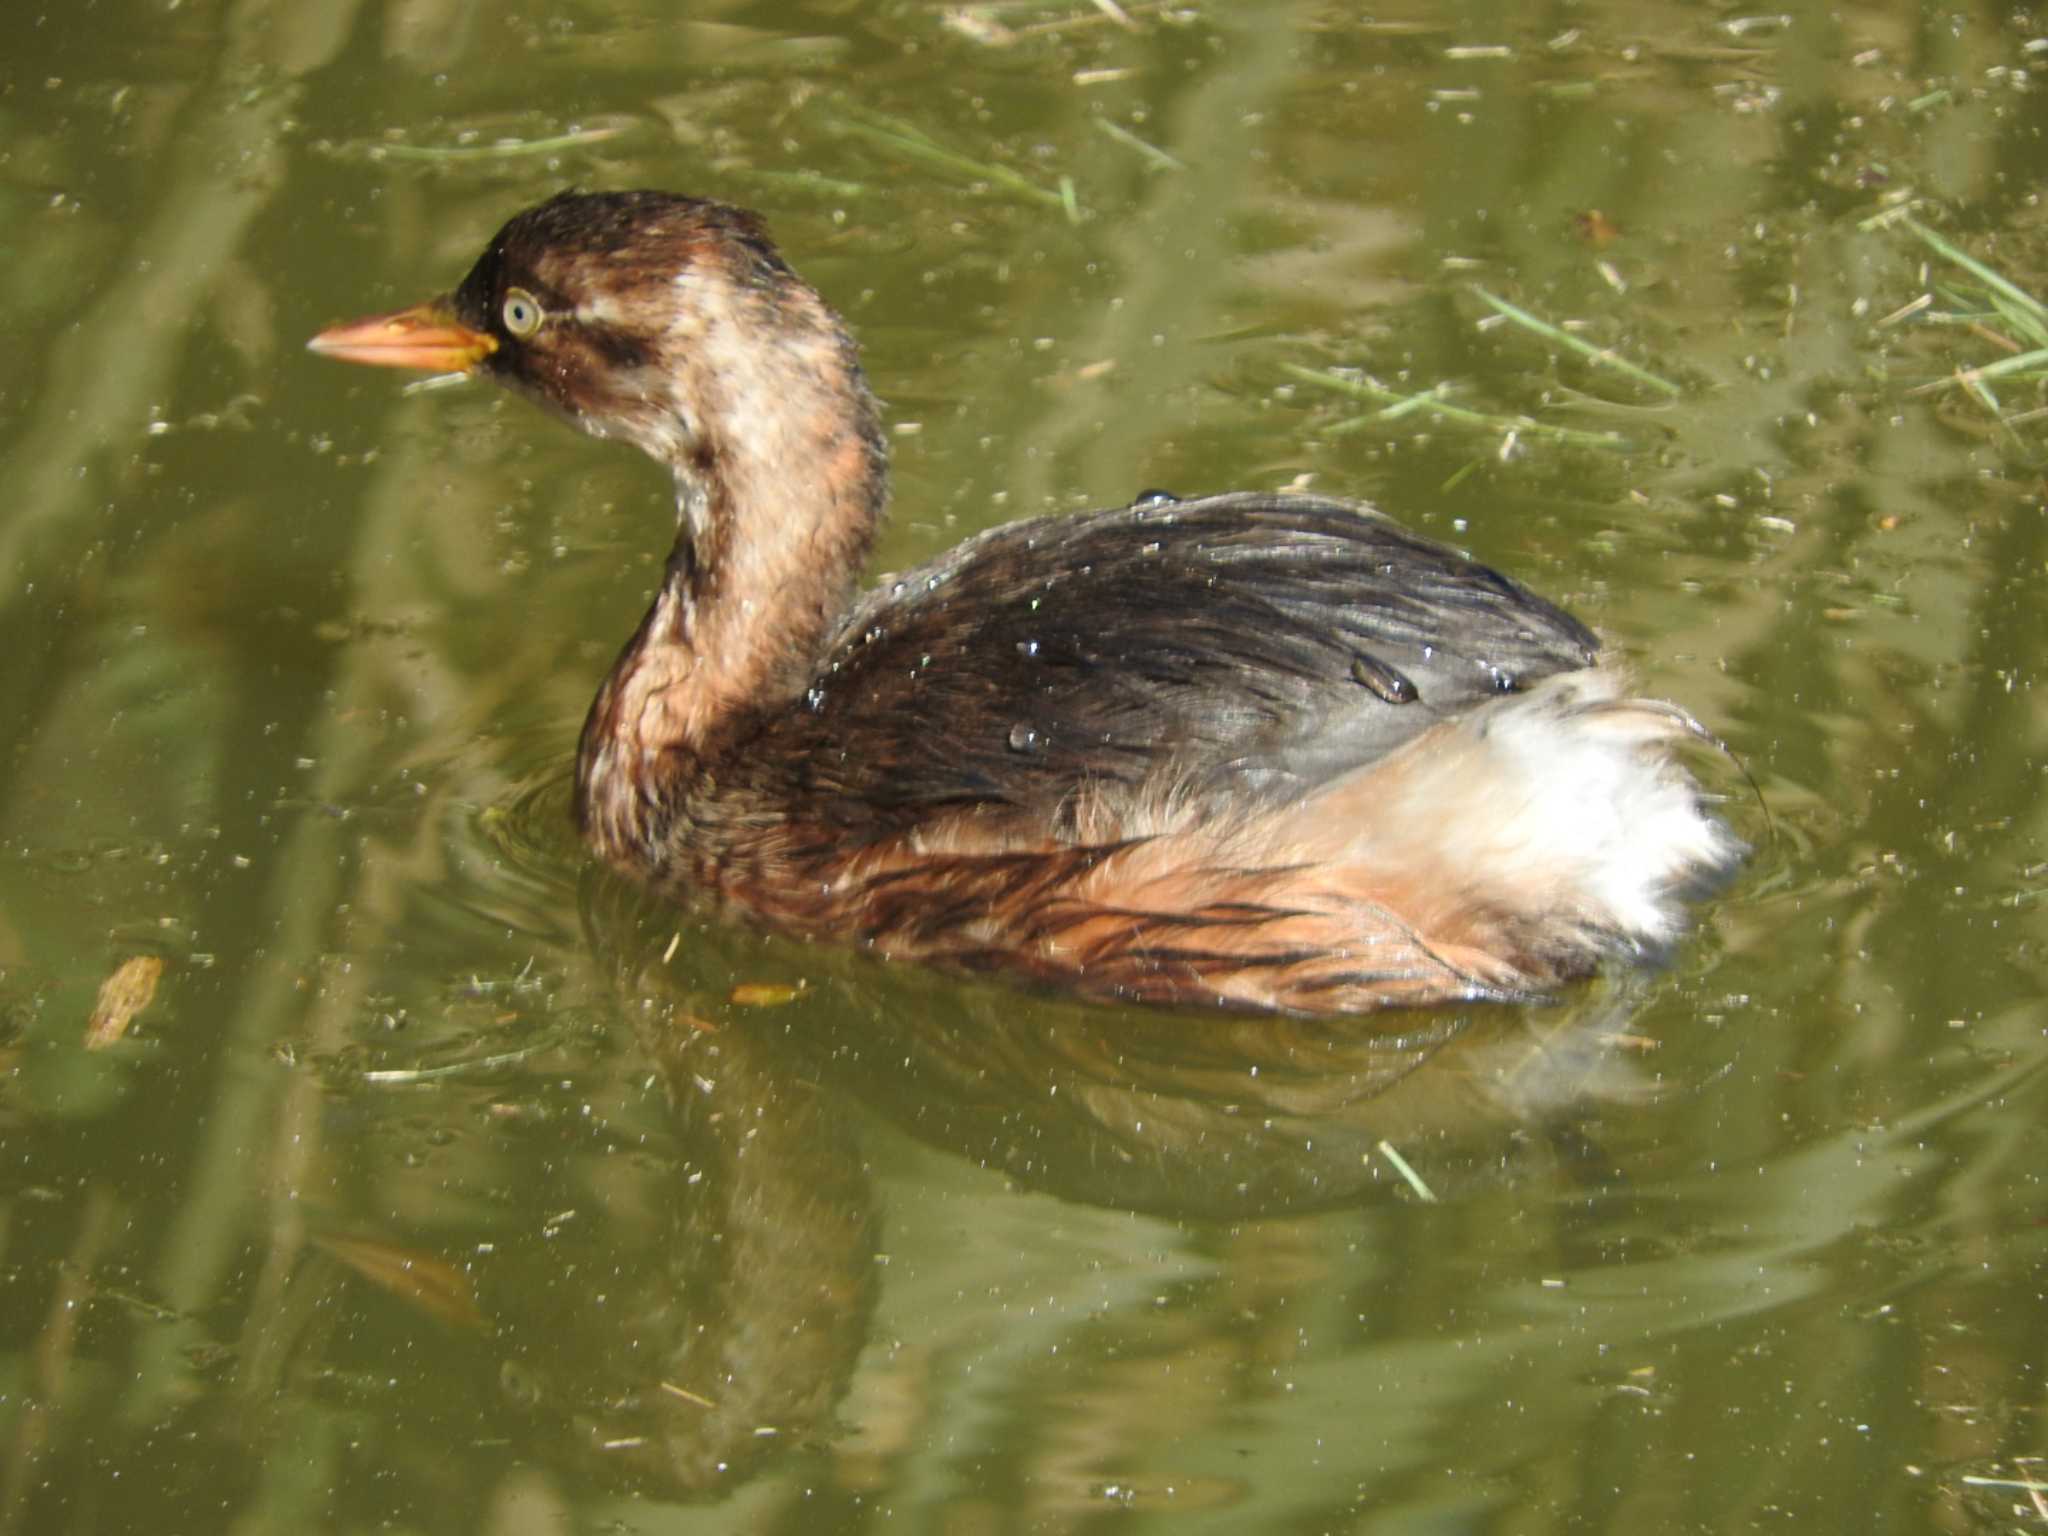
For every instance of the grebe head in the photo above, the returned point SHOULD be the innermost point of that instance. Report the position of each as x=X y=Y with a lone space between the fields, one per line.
x=647 y=316
x=672 y=323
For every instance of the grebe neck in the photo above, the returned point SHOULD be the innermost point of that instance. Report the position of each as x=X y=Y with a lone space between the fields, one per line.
x=764 y=417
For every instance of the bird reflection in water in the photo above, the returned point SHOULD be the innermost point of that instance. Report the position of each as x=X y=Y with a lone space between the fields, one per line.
x=733 y=1337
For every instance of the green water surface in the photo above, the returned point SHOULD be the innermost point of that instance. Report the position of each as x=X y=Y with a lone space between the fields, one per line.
x=447 y=1186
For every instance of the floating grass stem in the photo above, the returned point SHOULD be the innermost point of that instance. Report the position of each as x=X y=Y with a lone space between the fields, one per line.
x=811 y=182
x=497 y=149
x=1413 y=1179
x=1992 y=279
x=1604 y=356
x=1395 y=404
x=1990 y=306
x=2034 y=362
x=413 y=1077
x=901 y=139
x=1152 y=153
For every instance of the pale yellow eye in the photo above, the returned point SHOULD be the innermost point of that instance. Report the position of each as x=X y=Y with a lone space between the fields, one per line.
x=522 y=312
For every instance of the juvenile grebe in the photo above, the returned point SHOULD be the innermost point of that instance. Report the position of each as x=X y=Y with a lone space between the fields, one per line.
x=1263 y=751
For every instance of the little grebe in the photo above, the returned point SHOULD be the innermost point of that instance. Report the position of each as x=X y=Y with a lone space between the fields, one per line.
x=1257 y=750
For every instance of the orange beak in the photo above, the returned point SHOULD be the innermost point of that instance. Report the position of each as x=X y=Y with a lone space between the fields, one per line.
x=426 y=336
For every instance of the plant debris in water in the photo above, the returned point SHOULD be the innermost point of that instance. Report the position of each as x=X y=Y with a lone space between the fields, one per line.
x=1604 y=357
x=1986 y=304
x=123 y=995
x=1435 y=404
x=422 y=1279
x=907 y=142
x=763 y=994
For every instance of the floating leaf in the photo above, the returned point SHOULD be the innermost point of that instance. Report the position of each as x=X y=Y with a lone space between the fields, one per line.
x=122 y=996
x=762 y=994
x=430 y=1283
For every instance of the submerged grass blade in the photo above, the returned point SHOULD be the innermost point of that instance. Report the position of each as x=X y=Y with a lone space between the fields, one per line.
x=1408 y=1174
x=1997 y=282
x=1996 y=312
x=1395 y=405
x=1603 y=356
x=2024 y=362
x=901 y=139
x=812 y=182
x=498 y=149
x=1153 y=154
